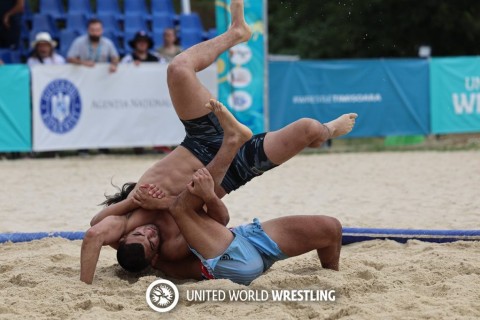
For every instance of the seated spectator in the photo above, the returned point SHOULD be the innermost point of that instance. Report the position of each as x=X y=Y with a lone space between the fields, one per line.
x=170 y=48
x=141 y=44
x=89 y=49
x=10 y=25
x=44 y=51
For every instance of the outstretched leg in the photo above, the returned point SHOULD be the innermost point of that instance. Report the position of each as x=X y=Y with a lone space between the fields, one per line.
x=187 y=93
x=296 y=235
x=283 y=144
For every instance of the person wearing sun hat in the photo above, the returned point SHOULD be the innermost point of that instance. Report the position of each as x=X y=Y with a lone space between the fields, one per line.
x=141 y=44
x=44 y=51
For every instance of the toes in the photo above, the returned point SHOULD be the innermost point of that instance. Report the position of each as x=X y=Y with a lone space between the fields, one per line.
x=213 y=103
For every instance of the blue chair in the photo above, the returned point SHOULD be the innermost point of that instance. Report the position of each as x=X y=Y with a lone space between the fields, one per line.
x=190 y=37
x=10 y=56
x=27 y=12
x=67 y=36
x=161 y=21
x=53 y=8
x=24 y=32
x=136 y=7
x=134 y=23
x=109 y=7
x=190 y=21
x=5 y=55
x=157 y=39
x=80 y=6
x=162 y=6
x=77 y=22
x=112 y=36
x=110 y=23
x=44 y=23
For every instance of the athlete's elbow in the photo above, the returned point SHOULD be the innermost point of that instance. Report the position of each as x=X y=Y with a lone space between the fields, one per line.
x=93 y=235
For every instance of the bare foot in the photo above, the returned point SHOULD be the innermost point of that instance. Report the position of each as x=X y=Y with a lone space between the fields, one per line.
x=234 y=131
x=239 y=26
x=342 y=125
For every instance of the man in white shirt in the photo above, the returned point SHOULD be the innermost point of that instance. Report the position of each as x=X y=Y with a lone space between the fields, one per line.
x=89 y=49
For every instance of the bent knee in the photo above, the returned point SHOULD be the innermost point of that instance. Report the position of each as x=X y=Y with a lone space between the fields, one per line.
x=179 y=67
x=312 y=129
x=332 y=228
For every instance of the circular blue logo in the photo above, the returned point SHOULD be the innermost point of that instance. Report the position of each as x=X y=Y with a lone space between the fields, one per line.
x=60 y=106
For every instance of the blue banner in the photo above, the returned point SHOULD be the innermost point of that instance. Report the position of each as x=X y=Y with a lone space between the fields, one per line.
x=391 y=97
x=15 y=111
x=455 y=95
x=241 y=69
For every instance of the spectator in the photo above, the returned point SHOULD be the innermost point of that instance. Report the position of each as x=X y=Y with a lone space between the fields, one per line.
x=141 y=44
x=44 y=51
x=170 y=48
x=93 y=48
x=10 y=26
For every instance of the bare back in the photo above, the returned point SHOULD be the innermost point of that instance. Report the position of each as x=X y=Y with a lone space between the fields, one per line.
x=173 y=172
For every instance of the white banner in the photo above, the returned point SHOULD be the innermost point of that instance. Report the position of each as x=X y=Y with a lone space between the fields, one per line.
x=81 y=108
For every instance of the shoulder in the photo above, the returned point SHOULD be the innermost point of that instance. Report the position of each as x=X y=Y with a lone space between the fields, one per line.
x=106 y=41
x=80 y=39
x=79 y=42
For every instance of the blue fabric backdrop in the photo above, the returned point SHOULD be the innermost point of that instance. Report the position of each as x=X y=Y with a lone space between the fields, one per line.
x=391 y=97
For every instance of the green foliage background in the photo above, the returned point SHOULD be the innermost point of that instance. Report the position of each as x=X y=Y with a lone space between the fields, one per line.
x=373 y=28
x=319 y=29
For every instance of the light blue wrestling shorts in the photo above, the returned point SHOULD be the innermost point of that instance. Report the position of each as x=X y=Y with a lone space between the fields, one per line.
x=251 y=253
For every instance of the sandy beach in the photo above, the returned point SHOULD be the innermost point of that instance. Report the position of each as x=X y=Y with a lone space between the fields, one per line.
x=377 y=280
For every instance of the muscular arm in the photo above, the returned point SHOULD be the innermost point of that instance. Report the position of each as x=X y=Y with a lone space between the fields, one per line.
x=203 y=186
x=118 y=209
x=107 y=232
x=217 y=210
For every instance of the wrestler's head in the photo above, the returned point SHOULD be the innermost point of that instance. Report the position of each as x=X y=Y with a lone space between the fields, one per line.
x=137 y=249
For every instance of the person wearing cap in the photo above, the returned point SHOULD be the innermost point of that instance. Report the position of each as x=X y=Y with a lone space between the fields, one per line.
x=44 y=51
x=141 y=44
x=92 y=48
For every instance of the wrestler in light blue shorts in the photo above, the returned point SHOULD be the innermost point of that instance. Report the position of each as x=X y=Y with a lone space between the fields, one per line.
x=251 y=253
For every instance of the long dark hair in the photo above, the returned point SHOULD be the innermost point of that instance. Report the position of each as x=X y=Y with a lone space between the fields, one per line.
x=120 y=195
